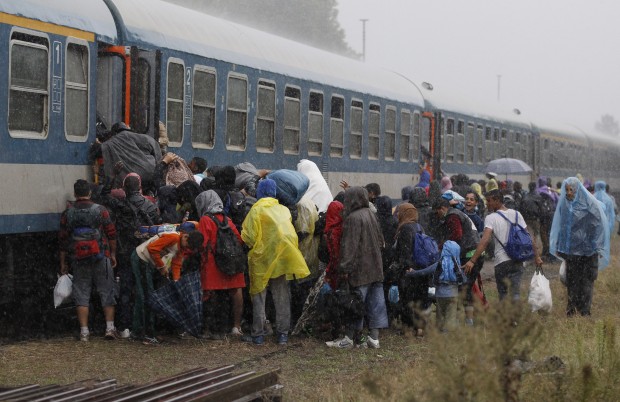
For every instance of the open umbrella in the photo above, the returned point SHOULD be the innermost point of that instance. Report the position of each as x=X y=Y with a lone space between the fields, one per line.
x=508 y=166
x=180 y=302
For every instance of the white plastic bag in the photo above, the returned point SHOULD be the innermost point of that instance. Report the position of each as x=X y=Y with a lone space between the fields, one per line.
x=563 y=272
x=63 y=289
x=540 y=293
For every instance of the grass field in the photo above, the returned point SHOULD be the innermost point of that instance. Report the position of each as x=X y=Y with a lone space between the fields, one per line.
x=471 y=364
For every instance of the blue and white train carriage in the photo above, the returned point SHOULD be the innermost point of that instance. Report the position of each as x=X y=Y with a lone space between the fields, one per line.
x=225 y=92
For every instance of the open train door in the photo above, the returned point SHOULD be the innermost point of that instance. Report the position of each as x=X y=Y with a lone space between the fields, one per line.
x=429 y=145
x=144 y=99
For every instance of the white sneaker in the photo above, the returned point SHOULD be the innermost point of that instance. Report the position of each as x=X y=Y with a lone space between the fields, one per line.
x=372 y=343
x=344 y=343
x=236 y=331
x=124 y=334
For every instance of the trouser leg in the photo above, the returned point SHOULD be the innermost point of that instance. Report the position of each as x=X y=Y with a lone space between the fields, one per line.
x=282 y=301
x=258 y=313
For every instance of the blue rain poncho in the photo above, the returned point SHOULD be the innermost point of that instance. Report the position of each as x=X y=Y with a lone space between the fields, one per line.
x=580 y=226
x=601 y=195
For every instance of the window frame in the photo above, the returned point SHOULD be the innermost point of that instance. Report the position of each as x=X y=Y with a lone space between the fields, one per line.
x=372 y=106
x=333 y=148
x=201 y=69
x=83 y=43
x=241 y=77
x=389 y=132
x=408 y=136
x=450 y=137
x=42 y=135
x=291 y=128
x=175 y=60
x=271 y=85
x=321 y=114
x=356 y=104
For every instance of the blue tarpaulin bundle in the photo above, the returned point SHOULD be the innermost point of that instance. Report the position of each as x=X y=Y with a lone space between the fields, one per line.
x=291 y=185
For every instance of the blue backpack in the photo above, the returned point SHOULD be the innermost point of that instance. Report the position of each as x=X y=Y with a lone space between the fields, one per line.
x=425 y=249
x=519 y=245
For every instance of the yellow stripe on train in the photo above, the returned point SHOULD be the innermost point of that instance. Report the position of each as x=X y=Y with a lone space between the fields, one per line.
x=45 y=27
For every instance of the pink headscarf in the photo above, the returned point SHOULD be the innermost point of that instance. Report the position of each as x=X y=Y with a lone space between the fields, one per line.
x=446 y=184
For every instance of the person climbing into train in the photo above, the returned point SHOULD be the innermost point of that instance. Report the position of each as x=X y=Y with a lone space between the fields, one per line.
x=580 y=235
x=87 y=239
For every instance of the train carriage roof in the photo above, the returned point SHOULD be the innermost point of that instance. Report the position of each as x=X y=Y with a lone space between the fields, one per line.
x=85 y=15
x=160 y=24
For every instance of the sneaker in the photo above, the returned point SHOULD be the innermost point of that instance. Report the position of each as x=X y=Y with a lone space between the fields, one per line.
x=236 y=331
x=111 y=334
x=147 y=340
x=256 y=340
x=125 y=334
x=85 y=337
x=282 y=339
x=469 y=322
x=344 y=343
x=372 y=343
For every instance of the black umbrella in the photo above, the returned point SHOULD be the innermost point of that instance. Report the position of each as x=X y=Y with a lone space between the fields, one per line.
x=181 y=302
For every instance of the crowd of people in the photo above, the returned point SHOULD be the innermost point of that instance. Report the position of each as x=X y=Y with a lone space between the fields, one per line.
x=350 y=264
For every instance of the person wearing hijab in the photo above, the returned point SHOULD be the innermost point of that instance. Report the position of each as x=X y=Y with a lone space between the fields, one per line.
x=332 y=233
x=413 y=292
x=269 y=232
x=405 y=193
x=492 y=185
x=482 y=201
x=580 y=236
x=361 y=266
x=214 y=281
x=600 y=194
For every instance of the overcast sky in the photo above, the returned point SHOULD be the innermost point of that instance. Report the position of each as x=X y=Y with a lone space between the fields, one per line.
x=558 y=59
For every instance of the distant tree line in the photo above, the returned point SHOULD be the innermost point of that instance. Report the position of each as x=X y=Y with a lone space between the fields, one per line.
x=312 y=22
x=608 y=125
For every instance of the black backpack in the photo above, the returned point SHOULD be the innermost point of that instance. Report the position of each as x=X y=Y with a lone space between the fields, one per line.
x=228 y=252
x=531 y=207
x=85 y=235
x=129 y=219
x=236 y=207
x=547 y=206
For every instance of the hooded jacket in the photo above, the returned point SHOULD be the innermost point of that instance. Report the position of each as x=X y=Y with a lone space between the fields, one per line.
x=361 y=242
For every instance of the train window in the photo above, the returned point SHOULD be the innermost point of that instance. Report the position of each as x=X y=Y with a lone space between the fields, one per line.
x=488 y=144
x=374 y=124
x=460 y=127
x=416 y=135
x=460 y=143
x=470 y=144
x=28 y=86
x=265 y=116
x=237 y=112
x=509 y=144
x=450 y=141
x=315 y=124
x=450 y=126
x=405 y=134
x=203 y=109
x=336 y=127
x=174 y=102
x=357 y=115
x=479 y=142
x=76 y=91
x=292 y=120
x=110 y=72
x=497 y=147
x=389 y=144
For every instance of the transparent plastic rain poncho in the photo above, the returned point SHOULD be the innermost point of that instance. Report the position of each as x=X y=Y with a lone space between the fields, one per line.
x=601 y=195
x=580 y=226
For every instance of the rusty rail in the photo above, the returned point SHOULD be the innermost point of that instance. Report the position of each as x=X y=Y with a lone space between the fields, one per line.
x=219 y=384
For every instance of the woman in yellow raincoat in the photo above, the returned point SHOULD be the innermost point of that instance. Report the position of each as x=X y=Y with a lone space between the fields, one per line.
x=273 y=260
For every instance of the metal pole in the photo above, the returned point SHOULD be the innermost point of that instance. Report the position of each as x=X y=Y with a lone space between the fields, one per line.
x=363 y=38
x=499 y=77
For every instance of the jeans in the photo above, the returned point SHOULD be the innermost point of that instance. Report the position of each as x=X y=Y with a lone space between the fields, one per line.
x=282 y=301
x=376 y=311
x=508 y=278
